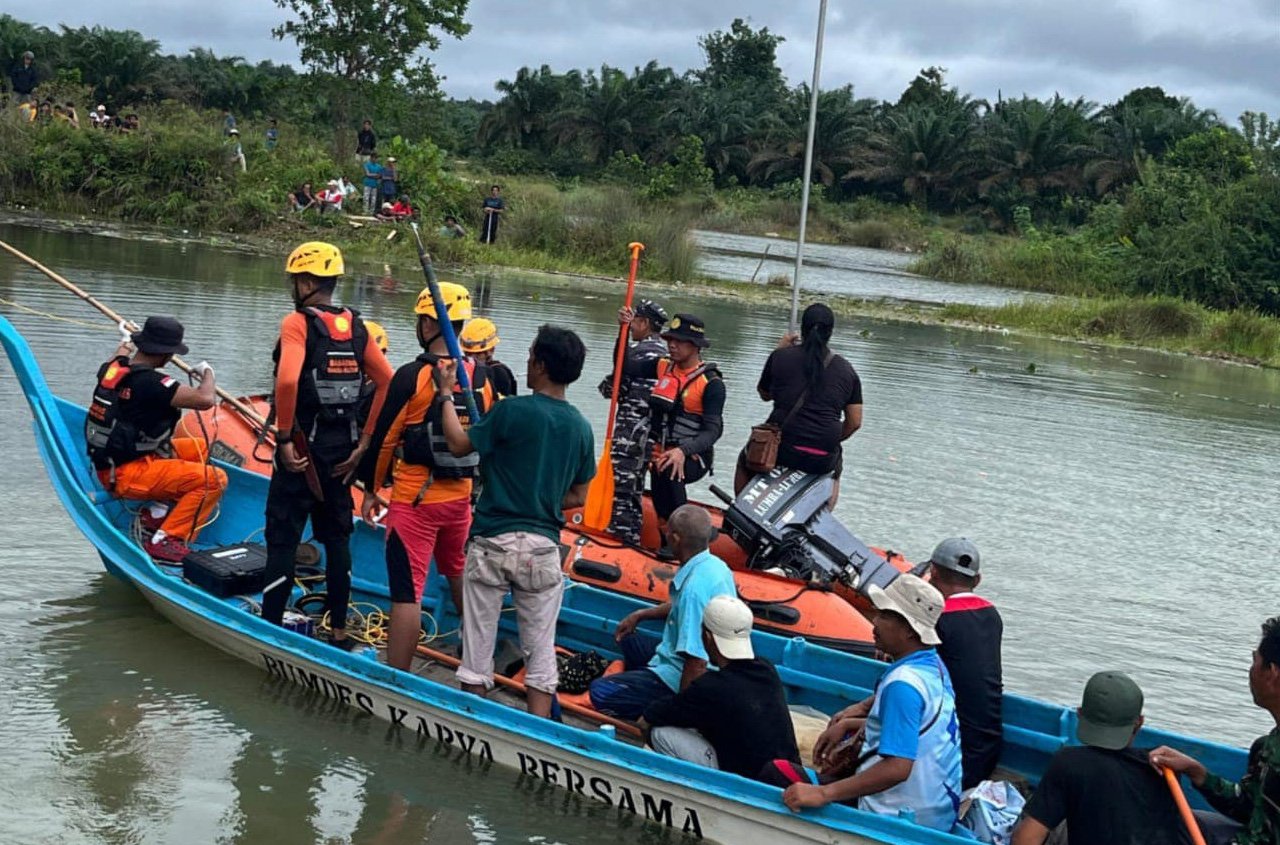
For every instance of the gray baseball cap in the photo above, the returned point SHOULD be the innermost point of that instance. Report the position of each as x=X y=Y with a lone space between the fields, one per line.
x=957 y=554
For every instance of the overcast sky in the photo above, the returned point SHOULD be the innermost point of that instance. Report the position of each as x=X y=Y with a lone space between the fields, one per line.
x=1224 y=54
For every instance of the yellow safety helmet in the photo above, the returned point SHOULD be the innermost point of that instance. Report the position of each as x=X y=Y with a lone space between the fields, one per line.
x=378 y=333
x=317 y=258
x=457 y=302
x=479 y=335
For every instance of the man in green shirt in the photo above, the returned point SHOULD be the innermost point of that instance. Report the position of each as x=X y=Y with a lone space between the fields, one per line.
x=1254 y=802
x=537 y=456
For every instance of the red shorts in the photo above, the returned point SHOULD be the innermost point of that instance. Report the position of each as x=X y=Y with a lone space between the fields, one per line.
x=415 y=534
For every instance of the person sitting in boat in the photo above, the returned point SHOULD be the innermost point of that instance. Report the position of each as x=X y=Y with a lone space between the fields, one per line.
x=817 y=401
x=686 y=415
x=322 y=357
x=898 y=750
x=539 y=457
x=1251 y=805
x=971 y=631
x=429 y=515
x=631 y=426
x=655 y=671
x=129 y=432
x=480 y=341
x=1103 y=789
x=734 y=719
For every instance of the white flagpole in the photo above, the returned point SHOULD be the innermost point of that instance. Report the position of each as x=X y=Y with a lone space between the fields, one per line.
x=807 y=176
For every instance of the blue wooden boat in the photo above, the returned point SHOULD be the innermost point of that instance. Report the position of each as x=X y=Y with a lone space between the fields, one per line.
x=581 y=758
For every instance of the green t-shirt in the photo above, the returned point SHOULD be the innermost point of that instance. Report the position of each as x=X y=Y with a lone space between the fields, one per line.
x=532 y=450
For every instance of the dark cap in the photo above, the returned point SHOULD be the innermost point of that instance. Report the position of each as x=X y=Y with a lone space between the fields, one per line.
x=687 y=327
x=160 y=336
x=653 y=312
x=1109 y=710
x=957 y=554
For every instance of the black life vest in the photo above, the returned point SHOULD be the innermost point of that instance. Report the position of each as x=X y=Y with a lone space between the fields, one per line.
x=111 y=437
x=424 y=443
x=677 y=401
x=329 y=387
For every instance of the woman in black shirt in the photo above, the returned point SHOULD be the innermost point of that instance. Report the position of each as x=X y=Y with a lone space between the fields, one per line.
x=832 y=394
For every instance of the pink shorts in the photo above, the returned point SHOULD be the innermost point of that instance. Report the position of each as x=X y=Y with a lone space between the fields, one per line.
x=417 y=533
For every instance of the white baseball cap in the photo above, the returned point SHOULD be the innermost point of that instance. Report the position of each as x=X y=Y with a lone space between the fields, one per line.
x=729 y=620
x=915 y=600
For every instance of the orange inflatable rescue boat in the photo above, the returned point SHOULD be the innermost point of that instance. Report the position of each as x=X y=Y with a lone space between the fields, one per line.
x=801 y=572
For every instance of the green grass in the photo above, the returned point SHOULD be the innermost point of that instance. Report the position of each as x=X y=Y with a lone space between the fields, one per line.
x=1157 y=322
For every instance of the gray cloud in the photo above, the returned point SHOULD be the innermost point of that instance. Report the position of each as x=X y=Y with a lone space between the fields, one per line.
x=1225 y=54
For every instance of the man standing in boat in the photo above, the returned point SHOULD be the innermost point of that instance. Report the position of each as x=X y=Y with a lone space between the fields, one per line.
x=480 y=341
x=539 y=456
x=631 y=430
x=656 y=672
x=686 y=415
x=971 y=631
x=129 y=431
x=430 y=510
x=323 y=356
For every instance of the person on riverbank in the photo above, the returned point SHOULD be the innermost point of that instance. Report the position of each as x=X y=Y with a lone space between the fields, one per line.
x=429 y=514
x=273 y=134
x=366 y=143
x=73 y=117
x=229 y=123
x=817 y=401
x=129 y=432
x=492 y=209
x=235 y=152
x=971 y=631
x=659 y=671
x=24 y=77
x=372 y=184
x=390 y=181
x=734 y=719
x=323 y=355
x=302 y=199
x=1103 y=789
x=539 y=457
x=903 y=742
x=686 y=414
x=1252 y=805
x=479 y=339
x=330 y=198
x=451 y=228
x=631 y=427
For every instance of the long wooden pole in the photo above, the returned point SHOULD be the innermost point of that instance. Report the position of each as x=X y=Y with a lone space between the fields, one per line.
x=247 y=412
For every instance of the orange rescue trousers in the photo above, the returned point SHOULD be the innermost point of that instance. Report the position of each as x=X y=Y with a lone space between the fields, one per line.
x=195 y=485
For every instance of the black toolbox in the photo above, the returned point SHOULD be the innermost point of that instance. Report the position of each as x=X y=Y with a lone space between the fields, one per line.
x=228 y=570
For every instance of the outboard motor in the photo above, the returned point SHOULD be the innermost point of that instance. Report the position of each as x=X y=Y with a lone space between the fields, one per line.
x=781 y=519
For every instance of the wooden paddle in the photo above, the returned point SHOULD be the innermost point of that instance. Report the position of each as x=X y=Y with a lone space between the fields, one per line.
x=1184 y=809
x=598 y=509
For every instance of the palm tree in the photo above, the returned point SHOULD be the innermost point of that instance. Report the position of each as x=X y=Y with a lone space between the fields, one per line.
x=527 y=101
x=1128 y=134
x=924 y=150
x=599 y=120
x=120 y=64
x=843 y=122
x=1036 y=146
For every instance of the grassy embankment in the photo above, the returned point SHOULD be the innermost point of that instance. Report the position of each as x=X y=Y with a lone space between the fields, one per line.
x=176 y=173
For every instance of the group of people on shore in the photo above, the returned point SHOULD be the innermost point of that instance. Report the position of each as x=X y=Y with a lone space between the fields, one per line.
x=420 y=442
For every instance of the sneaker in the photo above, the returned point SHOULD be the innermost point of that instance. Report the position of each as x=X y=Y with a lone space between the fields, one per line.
x=150 y=522
x=169 y=550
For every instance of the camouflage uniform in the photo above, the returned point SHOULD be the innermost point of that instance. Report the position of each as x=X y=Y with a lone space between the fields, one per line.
x=1255 y=800
x=630 y=433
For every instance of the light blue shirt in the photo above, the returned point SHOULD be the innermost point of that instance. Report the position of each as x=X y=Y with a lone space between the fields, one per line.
x=701 y=579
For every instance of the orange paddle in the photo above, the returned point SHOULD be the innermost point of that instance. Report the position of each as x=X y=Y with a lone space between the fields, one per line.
x=1184 y=809
x=599 y=507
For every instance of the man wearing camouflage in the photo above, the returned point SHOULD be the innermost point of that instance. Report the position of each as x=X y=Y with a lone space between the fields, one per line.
x=631 y=431
x=1253 y=802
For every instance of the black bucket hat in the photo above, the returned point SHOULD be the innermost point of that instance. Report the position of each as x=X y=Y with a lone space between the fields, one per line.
x=160 y=336
x=687 y=327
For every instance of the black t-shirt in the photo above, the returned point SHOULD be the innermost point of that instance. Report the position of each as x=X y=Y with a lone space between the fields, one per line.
x=818 y=424
x=504 y=381
x=971 y=631
x=1107 y=798
x=741 y=710
x=146 y=400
